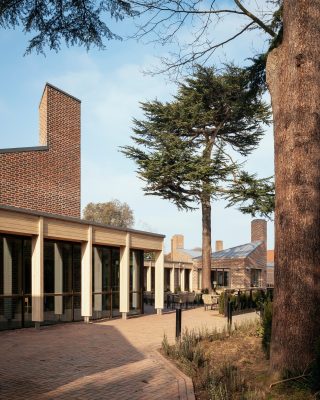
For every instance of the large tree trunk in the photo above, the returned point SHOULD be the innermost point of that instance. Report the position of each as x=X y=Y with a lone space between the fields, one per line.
x=206 y=242
x=293 y=75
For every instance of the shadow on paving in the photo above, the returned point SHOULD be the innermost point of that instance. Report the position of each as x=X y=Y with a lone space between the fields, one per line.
x=35 y=362
x=140 y=382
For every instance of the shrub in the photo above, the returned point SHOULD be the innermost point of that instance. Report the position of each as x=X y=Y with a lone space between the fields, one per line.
x=221 y=303
x=166 y=348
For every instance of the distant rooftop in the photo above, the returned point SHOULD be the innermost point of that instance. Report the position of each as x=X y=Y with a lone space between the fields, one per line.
x=192 y=253
x=241 y=251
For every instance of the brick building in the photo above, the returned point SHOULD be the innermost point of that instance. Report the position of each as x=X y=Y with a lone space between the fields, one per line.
x=47 y=177
x=241 y=266
x=55 y=267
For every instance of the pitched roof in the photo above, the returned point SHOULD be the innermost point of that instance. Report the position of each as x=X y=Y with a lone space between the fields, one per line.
x=242 y=251
x=192 y=253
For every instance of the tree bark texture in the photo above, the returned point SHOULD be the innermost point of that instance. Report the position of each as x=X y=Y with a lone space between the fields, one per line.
x=293 y=76
x=206 y=242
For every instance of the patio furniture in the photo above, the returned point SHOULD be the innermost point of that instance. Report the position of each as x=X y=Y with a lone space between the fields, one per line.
x=210 y=300
x=190 y=299
x=148 y=298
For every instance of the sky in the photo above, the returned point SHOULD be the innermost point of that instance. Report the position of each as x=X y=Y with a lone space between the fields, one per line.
x=110 y=85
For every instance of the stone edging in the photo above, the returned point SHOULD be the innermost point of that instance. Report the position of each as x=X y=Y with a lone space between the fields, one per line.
x=185 y=384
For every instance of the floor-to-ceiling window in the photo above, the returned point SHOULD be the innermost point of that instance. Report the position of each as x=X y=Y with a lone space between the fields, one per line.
x=105 y=282
x=167 y=272
x=15 y=282
x=62 y=281
x=187 y=280
x=177 y=280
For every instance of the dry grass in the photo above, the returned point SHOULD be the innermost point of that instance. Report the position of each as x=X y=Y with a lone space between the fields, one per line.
x=230 y=366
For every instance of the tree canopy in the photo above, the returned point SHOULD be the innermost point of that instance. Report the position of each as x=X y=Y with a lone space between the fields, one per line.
x=184 y=148
x=72 y=22
x=87 y=24
x=112 y=213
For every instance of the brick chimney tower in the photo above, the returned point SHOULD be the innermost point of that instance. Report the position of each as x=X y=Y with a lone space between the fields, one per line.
x=177 y=242
x=259 y=230
x=259 y=233
x=219 y=245
x=47 y=177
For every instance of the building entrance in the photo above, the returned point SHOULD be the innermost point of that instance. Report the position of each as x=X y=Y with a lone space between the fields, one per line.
x=15 y=282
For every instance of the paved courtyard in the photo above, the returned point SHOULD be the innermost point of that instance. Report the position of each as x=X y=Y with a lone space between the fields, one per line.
x=113 y=359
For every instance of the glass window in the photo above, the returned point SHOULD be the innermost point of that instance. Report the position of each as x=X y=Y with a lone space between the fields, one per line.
x=167 y=278
x=187 y=280
x=62 y=281
x=255 y=277
x=105 y=281
x=15 y=282
x=221 y=277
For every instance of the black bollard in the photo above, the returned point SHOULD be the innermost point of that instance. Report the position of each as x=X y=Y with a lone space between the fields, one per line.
x=178 y=323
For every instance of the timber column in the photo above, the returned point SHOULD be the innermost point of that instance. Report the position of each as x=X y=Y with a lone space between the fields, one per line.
x=37 y=275
x=159 y=281
x=124 y=277
x=86 y=277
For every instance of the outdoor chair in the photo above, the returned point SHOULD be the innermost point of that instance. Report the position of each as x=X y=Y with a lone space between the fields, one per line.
x=190 y=299
x=210 y=301
x=149 y=298
x=183 y=299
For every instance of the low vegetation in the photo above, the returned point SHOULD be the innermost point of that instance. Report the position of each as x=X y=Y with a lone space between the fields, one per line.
x=233 y=364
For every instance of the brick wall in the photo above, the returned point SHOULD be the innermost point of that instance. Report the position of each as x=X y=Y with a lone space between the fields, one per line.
x=47 y=178
x=237 y=272
x=258 y=260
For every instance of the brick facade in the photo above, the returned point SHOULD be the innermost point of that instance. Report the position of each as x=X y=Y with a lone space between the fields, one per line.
x=47 y=178
x=240 y=268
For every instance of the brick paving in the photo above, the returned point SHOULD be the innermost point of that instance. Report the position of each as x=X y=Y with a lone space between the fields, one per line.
x=112 y=359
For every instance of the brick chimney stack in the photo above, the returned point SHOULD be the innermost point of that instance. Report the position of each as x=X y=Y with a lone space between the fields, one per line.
x=47 y=177
x=177 y=242
x=259 y=230
x=219 y=245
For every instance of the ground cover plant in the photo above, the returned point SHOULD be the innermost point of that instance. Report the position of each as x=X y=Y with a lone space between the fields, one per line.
x=233 y=364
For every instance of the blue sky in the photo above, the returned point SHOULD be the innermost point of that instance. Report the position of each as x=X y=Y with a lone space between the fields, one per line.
x=110 y=84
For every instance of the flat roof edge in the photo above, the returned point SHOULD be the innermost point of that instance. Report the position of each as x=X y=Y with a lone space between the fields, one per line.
x=24 y=149
x=61 y=91
x=76 y=220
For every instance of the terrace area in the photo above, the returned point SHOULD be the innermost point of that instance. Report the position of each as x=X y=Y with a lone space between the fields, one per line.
x=114 y=359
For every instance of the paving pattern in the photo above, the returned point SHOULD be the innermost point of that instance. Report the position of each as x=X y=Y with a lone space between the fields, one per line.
x=112 y=359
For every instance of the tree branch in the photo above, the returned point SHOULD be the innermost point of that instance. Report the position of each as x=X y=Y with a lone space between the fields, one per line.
x=255 y=19
x=182 y=11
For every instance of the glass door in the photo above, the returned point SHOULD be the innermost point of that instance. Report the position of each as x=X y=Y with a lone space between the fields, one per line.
x=62 y=282
x=15 y=282
x=105 y=282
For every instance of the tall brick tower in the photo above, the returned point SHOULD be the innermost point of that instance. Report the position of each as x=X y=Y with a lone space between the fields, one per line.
x=47 y=178
x=259 y=233
x=259 y=230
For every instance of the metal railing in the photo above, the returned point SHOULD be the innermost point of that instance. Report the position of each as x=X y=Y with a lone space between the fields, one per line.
x=242 y=300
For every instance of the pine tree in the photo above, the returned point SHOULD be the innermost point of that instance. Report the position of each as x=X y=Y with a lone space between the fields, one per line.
x=184 y=148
